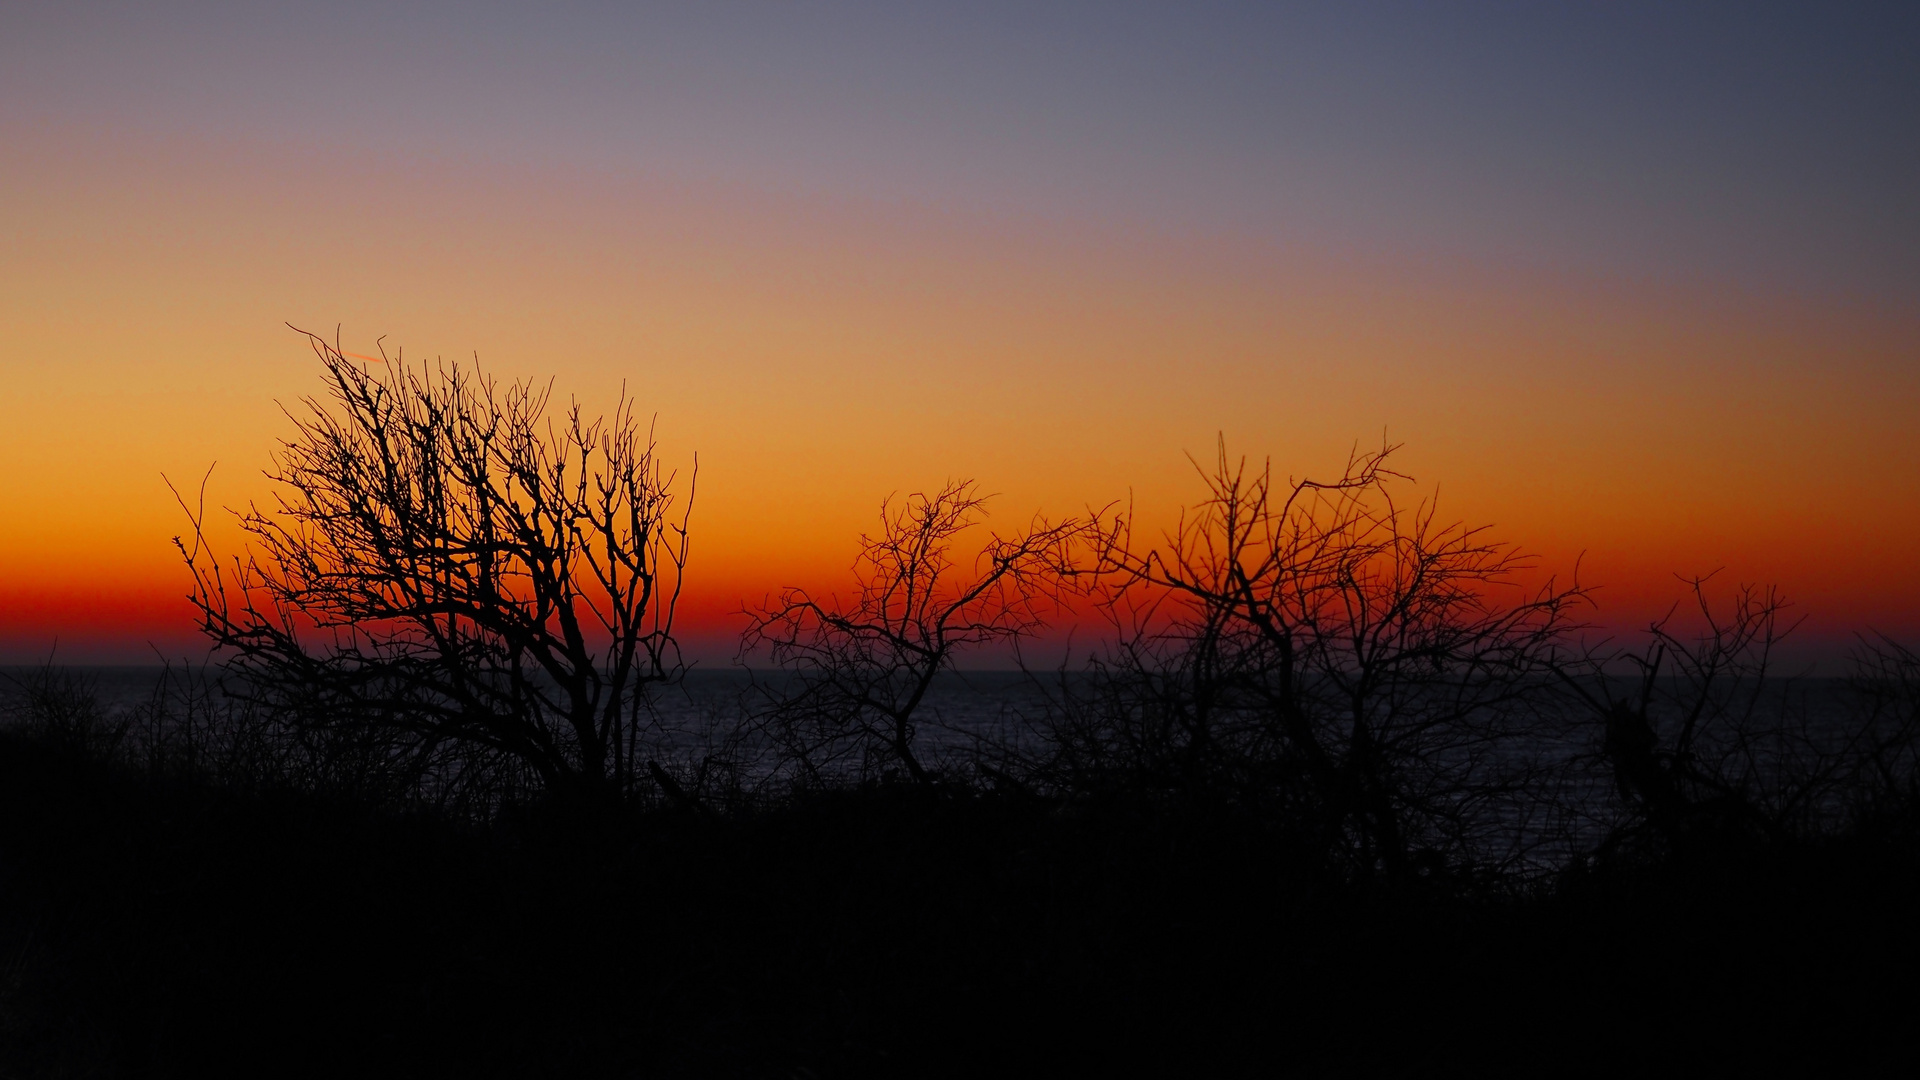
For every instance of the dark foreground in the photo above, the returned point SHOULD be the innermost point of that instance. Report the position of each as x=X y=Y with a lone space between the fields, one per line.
x=154 y=928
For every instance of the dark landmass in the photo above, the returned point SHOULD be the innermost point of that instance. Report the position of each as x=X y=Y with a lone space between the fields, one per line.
x=1338 y=793
x=170 y=927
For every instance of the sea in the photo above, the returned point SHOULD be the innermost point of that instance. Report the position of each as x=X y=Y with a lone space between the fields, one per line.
x=1789 y=731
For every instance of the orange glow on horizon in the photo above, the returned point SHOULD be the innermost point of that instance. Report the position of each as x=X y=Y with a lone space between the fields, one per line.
x=820 y=353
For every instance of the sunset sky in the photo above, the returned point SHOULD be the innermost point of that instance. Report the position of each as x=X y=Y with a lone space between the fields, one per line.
x=1638 y=281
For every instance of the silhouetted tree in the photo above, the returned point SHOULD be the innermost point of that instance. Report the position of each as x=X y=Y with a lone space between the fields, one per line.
x=860 y=670
x=1885 y=683
x=1682 y=743
x=454 y=572
x=1710 y=747
x=1329 y=657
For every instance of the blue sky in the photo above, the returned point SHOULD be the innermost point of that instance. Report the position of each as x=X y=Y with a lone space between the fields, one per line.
x=1775 y=146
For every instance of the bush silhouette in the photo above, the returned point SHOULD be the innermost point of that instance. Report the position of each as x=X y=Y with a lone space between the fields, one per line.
x=1331 y=657
x=862 y=668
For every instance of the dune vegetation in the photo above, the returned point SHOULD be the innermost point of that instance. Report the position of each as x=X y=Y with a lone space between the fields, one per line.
x=1343 y=786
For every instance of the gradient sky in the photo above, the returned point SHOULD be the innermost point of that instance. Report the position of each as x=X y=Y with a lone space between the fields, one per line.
x=1635 y=280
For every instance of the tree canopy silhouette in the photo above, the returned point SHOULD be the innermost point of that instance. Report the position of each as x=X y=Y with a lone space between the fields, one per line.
x=456 y=574
x=862 y=667
x=1328 y=653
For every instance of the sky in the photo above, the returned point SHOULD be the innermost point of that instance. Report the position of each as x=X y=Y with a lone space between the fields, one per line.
x=1636 y=284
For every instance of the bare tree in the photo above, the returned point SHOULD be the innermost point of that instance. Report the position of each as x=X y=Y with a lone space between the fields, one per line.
x=1709 y=745
x=1885 y=684
x=447 y=566
x=861 y=669
x=1682 y=742
x=1331 y=657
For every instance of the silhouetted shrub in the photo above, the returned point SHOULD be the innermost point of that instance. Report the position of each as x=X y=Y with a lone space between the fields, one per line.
x=1335 y=659
x=858 y=671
